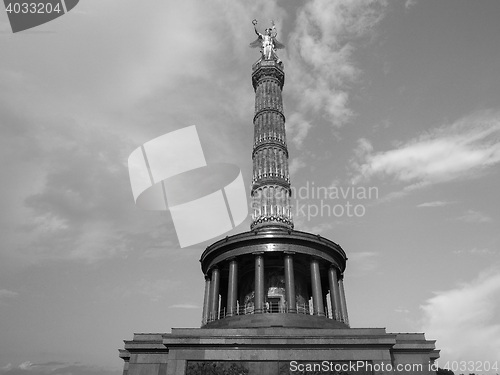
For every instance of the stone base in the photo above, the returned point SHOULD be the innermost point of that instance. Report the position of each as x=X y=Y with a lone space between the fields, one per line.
x=278 y=351
x=274 y=321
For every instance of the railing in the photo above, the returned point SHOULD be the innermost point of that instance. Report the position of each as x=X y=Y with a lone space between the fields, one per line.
x=275 y=308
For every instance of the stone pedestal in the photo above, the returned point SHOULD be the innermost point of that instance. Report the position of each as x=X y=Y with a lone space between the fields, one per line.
x=278 y=351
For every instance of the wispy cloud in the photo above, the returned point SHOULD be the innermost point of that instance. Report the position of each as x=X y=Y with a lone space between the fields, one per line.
x=184 y=306
x=464 y=318
x=154 y=290
x=320 y=51
x=401 y=310
x=477 y=251
x=68 y=196
x=297 y=128
x=410 y=4
x=4 y=293
x=295 y=165
x=317 y=228
x=56 y=368
x=472 y=216
x=84 y=189
x=363 y=261
x=435 y=204
x=440 y=155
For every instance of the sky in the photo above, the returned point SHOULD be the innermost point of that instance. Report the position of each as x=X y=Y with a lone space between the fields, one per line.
x=393 y=107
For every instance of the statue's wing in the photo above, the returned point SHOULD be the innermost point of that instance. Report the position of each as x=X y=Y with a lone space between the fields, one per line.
x=278 y=45
x=256 y=43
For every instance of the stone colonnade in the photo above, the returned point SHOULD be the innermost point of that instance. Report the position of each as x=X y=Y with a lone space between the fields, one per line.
x=335 y=284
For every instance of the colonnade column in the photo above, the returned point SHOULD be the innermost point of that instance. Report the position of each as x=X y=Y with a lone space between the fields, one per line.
x=334 y=293
x=343 y=301
x=206 y=301
x=259 y=283
x=232 y=288
x=290 y=284
x=317 y=293
x=214 y=294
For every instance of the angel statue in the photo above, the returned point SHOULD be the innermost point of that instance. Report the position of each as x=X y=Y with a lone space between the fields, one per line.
x=267 y=43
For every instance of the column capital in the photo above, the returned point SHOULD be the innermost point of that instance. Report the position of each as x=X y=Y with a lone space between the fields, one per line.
x=287 y=252
x=334 y=268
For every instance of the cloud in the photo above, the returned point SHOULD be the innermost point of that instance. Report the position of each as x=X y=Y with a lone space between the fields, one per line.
x=26 y=365
x=56 y=368
x=401 y=310
x=297 y=128
x=66 y=192
x=304 y=224
x=4 y=293
x=449 y=152
x=410 y=4
x=465 y=320
x=320 y=51
x=154 y=290
x=83 y=189
x=477 y=251
x=184 y=306
x=362 y=262
x=434 y=204
x=295 y=165
x=472 y=216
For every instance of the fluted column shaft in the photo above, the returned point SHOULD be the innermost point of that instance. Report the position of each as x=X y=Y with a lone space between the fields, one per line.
x=232 y=287
x=271 y=181
x=214 y=294
x=334 y=293
x=317 y=293
x=206 y=300
x=259 y=283
x=343 y=301
x=290 y=283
